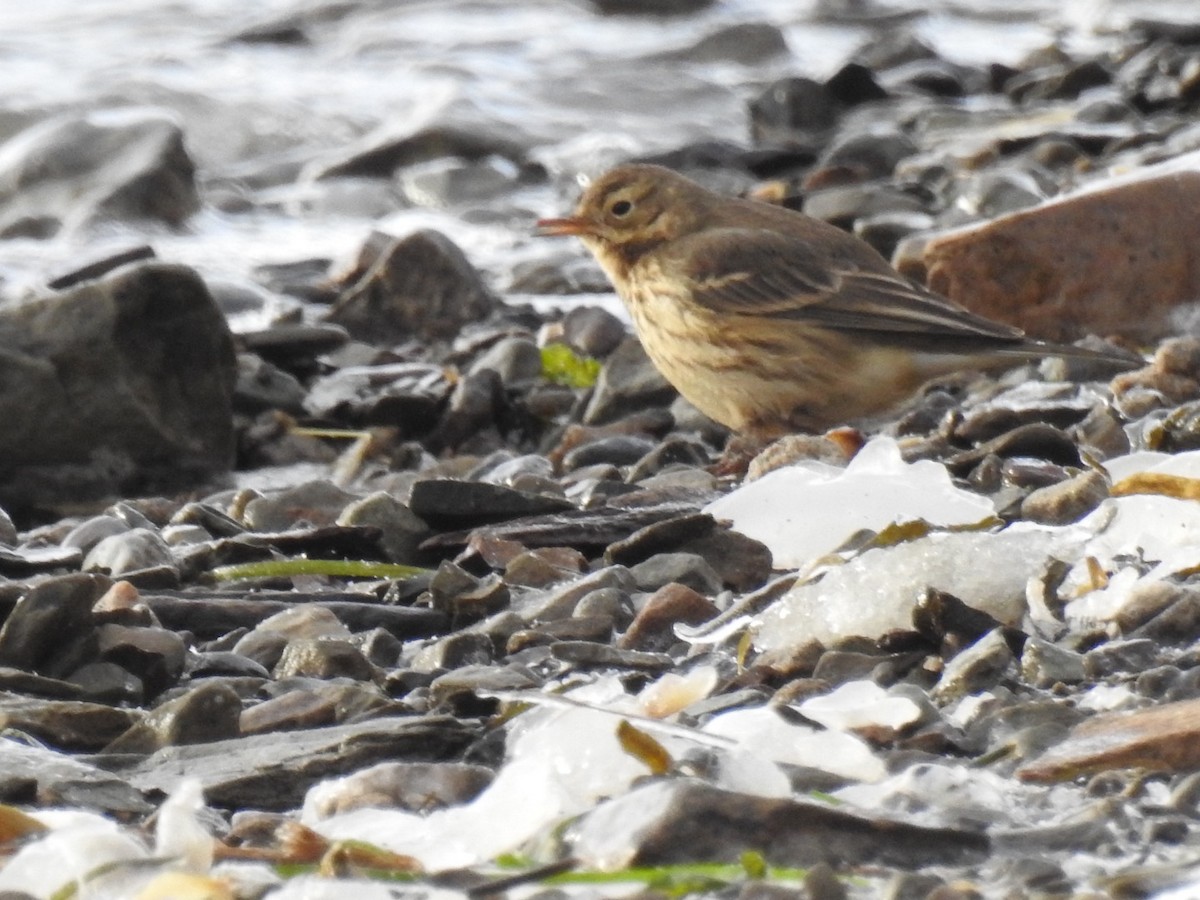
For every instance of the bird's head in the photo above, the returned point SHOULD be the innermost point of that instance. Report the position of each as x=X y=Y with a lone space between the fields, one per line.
x=631 y=211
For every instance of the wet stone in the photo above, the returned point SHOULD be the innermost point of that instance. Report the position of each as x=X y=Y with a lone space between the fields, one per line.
x=517 y=360
x=609 y=603
x=1178 y=624
x=839 y=666
x=88 y=533
x=593 y=331
x=88 y=168
x=1044 y=664
x=794 y=107
x=267 y=773
x=130 y=551
x=653 y=626
x=616 y=450
x=154 y=656
x=50 y=615
x=460 y=687
x=213 y=663
x=151 y=409
x=592 y=655
x=66 y=724
x=1160 y=738
x=1066 y=502
x=455 y=651
x=1121 y=656
x=683 y=821
x=323 y=658
x=687 y=569
x=298 y=706
x=598 y=629
x=409 y=393
x=420 y=787
x=314 y=503
x=627 y=382
x=205 y=713
x=447 y=503
x=544 y=566
x=421 y=285
x=400 y=530
x=977 y=668
x=23 y=561
x=262 y=386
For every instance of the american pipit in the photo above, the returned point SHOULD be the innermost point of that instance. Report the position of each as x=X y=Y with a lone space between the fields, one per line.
x=770 y=321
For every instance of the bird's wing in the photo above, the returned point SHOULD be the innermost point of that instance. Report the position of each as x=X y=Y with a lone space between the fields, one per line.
x=759 y=272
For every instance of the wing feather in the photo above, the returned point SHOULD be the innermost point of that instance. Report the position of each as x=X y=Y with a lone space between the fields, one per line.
x=760 y=272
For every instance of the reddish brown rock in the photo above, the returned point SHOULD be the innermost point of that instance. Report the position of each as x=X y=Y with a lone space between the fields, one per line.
x=654 y=626
x=1164 y=738
x=1112 y=259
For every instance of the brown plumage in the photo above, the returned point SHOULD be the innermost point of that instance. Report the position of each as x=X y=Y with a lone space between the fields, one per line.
x=770 y=321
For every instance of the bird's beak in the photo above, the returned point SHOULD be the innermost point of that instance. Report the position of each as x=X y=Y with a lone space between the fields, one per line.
x=569 y=225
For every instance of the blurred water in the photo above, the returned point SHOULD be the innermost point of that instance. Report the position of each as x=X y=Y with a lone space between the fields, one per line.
x=583 y=89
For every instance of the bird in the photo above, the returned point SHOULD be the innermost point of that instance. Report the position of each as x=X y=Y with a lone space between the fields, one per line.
x=769 y=321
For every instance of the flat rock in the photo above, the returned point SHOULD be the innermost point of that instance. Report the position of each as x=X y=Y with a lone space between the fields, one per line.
x=1105 y=260
x=265 y=772
x=60 y=780
x=685 y=821
x=212 y=615
x=1164 y=738
x=449 y=503
x=66 y=724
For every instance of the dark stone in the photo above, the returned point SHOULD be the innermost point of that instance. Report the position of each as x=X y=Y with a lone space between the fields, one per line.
x=97 y=268
x=323 y=658
x=682 y=820
x=653 y=628
x=448 y=503
x=263 y=386
x=50 y=615
x=476 y=404
x=56 y=780
x=615 y=449
x=21 y=561
x=793 y=107
x=628 y=382
x=593 y=330
x=154 y=655
x=687 y=569
x=420 y=286
x=649 y=7
x=749 y=43
x=853 y=84
x=206 y=713
x=210 y=615
x=382 y=153
x=267 y=773
x=120 y=385
x=575 y=527
x=65 y=724
x=405 y=395
x=1115 y=657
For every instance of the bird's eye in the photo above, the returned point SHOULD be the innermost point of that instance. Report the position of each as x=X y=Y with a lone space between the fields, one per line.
x=621 y=208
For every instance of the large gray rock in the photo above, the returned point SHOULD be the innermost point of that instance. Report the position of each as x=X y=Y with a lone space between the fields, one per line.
x=120 y=384
x=74 y=170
